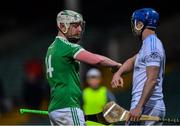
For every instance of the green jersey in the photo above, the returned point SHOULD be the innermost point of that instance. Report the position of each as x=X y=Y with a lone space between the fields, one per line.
x=62 y=72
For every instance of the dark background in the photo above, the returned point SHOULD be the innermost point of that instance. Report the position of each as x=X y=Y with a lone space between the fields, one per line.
x=28 y=27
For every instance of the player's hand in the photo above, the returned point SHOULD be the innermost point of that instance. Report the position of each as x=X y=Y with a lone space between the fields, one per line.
x=135 y=114
x=117 y=81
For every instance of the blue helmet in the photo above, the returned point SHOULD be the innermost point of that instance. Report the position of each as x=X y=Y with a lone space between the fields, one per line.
x=148 y=16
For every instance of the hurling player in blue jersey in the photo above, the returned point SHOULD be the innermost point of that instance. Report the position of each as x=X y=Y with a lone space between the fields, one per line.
x=148 y=67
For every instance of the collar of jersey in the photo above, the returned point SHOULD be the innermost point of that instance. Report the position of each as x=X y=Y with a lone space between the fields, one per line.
x=60 y=37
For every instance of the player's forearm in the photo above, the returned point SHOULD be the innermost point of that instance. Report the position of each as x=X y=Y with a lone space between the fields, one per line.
x=147 y=91
x=95 y=59
x=127 y=66
x=152 y=73
x=106 y=62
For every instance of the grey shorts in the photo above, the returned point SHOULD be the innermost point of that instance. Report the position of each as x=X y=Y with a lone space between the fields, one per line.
x=67 y=116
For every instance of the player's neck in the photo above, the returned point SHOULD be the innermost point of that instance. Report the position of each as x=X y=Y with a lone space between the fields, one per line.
x=146 y=33
x=61 y=34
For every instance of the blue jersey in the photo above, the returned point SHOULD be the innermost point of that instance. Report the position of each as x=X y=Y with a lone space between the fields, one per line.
x=151 y=54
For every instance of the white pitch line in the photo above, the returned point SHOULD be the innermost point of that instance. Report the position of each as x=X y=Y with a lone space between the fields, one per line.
x=123 y=115
x=109 y=109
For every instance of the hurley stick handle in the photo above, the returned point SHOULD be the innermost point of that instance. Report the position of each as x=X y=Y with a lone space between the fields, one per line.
x=168 y=120
x=41 y=112
x=149 y=118
x=155 y=118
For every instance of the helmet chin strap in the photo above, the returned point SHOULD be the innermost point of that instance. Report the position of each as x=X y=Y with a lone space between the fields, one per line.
x=64 y=32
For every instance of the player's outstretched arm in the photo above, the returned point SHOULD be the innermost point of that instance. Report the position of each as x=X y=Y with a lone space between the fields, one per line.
x=95 y=59
x=127 y=66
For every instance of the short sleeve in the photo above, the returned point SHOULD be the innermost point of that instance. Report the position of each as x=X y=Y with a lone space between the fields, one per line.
x=76 y=51
x=153 y=59
x=152 y=55
x=72 y=49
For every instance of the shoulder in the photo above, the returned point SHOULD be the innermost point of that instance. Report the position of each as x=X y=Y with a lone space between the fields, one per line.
x=153 y=44
x=86 y=89
x=67 y=47
x=103 y=87
x=66 y=43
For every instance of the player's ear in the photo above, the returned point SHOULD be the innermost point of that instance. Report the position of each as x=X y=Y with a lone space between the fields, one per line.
x=139 y=25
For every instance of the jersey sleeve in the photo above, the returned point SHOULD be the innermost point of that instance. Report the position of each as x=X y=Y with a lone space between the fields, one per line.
x=76 y=51
x=72 y=49
x=152 y=55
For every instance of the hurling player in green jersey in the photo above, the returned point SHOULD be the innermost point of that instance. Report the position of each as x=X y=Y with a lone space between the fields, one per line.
x=62 y=69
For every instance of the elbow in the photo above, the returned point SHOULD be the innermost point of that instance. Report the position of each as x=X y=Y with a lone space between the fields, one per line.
x=90 y=58
x=97 y=60
x=153 y=81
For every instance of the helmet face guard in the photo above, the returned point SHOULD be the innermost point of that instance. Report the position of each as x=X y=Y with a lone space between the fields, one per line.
x=75 y=39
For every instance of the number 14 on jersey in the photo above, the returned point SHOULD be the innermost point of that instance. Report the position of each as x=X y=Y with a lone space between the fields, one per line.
x=49 y=68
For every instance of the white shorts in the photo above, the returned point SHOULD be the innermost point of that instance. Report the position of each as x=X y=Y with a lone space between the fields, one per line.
x=67 y=116
x=151 y=112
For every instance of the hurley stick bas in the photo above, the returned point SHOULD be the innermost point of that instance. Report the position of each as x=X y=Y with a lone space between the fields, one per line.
x=114 y=113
